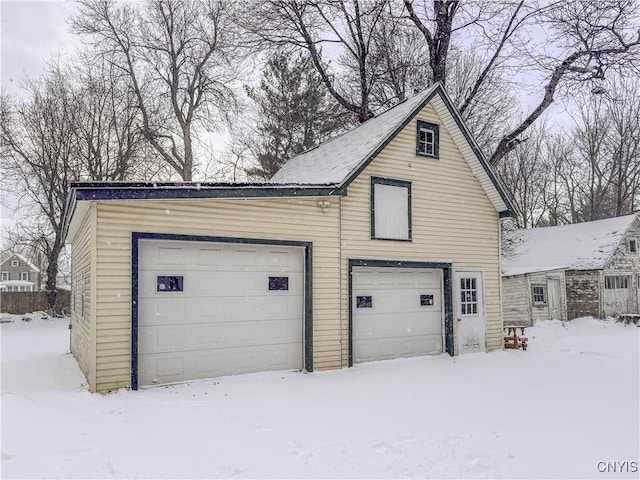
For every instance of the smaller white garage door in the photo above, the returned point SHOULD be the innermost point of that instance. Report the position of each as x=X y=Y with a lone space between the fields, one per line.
x=396 y=312
x=213 y=309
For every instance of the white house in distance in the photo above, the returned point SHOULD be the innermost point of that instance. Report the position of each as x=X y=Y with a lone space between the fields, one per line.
x=17 y=274
x=383 y=242
x=571 y=271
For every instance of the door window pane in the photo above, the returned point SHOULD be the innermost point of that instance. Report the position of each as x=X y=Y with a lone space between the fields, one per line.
x=468 y=296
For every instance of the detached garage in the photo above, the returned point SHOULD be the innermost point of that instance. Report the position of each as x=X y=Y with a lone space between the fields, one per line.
x=381 y=243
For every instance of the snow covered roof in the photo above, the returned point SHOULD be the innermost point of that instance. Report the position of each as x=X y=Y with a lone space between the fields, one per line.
x=579 y=246
x=339 y=160
x=10 y=255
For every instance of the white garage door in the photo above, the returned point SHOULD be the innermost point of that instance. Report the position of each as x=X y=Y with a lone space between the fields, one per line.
x=211 y=309
x=396 y=312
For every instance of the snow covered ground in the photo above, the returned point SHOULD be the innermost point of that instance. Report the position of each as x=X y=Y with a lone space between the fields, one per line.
x=555 y=411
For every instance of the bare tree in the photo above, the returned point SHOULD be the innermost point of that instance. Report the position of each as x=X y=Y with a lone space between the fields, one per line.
x=587 y=37
x=110 y=144
x=528 y=179
x=40 y=151
x=326 y=29
x=180 y=59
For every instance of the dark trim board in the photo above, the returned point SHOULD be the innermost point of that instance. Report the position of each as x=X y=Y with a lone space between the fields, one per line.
x=446 y=287
x=308 y=286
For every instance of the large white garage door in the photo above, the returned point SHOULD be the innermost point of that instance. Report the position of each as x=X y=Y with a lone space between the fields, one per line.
x=396 y=312
x=211 y=309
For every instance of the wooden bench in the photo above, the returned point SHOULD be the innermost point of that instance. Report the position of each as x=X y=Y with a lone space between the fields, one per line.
x=511 y=338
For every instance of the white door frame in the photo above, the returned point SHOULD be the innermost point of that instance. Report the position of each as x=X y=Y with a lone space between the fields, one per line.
x=457 y=273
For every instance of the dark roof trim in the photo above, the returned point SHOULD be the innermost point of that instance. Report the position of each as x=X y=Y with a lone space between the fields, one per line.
x=388 y=140
x=187 y=190
x=485 y=165
x=92 y=191
x=438 y=90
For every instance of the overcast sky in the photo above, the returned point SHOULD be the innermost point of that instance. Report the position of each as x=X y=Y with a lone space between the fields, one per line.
x=32 y=32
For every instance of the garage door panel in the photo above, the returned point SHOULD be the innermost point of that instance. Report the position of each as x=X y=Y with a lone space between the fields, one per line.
x=410 y=324
x=370 y=350
x=167 y=368
x=226 y=320
x=401 y=301
x=162 y=255
x=203 y=336
x=397 y=322
x=210 y=257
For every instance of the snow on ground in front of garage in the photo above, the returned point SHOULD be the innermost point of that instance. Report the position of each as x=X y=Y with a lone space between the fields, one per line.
x=556 y=410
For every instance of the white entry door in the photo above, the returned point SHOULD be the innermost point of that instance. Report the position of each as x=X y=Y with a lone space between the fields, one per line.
x=555 y=310
x=469 y=305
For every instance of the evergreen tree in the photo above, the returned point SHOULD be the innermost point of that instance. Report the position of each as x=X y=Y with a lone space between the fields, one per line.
x=294 y=113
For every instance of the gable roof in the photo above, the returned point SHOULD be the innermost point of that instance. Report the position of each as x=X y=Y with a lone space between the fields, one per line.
x=340 y=160
x=579 y=246
x=10 y=255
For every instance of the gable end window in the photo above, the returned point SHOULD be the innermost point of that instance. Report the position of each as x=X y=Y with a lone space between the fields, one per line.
x=633 y=246
x=14 y=263
x=427 y=139
x=390 y=209
x=539 y=294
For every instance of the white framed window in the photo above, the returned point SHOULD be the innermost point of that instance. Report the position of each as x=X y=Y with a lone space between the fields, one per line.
x=15 y=263
x=5 y=276
x=617 y=282
x=539 y=294
x=468 y=296
x=633 y=246
x=427 y=139
x=24 y=276
x=390 y=209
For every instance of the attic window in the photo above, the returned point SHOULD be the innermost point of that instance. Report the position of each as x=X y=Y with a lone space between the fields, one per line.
x=633 y=246
x=427 y=139
x=14 y=263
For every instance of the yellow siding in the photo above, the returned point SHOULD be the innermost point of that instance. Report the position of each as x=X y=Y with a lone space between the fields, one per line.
x=452 y=218
x=281 y=219
x=82 y=321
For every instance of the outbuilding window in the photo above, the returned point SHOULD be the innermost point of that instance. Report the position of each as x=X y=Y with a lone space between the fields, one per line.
x=539 y=294
x=390 y=209
x=616 y=282
x=427 y=139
